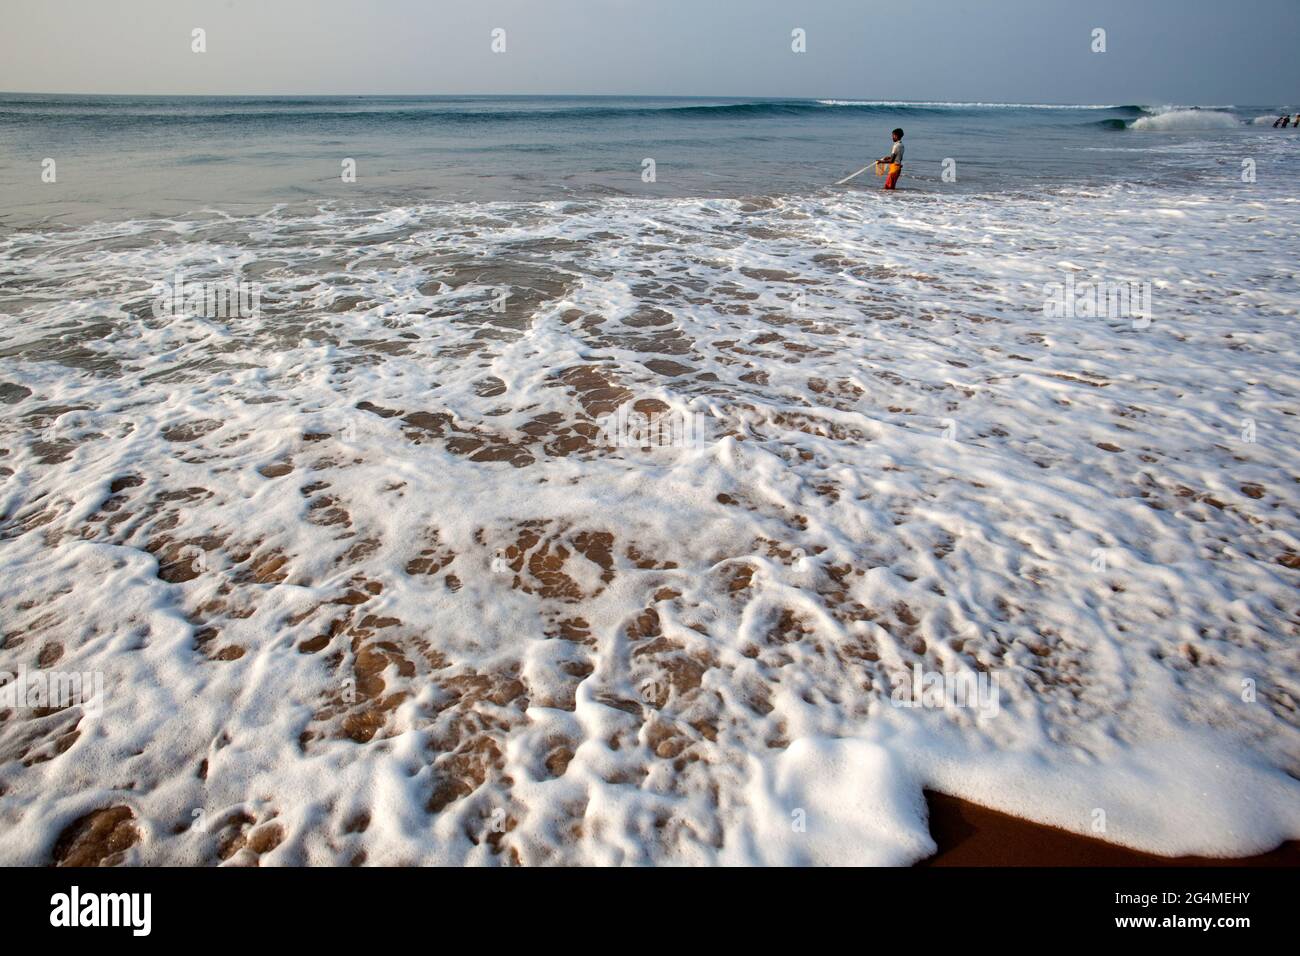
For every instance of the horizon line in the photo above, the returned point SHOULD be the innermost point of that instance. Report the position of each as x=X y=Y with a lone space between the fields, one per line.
x=822 y=98
x=652 y=96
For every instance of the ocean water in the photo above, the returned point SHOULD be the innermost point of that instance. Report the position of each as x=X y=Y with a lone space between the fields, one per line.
x=512 y=508
x=125 y=157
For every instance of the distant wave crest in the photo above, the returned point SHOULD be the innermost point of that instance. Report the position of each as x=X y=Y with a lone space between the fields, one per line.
x=942 y=105
x=1187 y=119
x=346 y=111
x=361 y=110
x=1176 y=118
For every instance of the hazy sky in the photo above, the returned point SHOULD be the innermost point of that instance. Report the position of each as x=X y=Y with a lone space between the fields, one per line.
x=1211 y=52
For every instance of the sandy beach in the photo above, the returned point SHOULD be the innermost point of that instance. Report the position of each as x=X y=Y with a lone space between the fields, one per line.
x=972 y=836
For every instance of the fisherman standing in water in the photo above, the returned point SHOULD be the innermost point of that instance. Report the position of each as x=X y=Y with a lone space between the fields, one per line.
x=895 y=160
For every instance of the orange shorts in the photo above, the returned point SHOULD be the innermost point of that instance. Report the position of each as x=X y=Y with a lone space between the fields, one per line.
x=892 y=179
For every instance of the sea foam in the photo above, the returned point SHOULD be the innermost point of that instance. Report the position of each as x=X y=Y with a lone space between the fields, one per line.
x=366 y=582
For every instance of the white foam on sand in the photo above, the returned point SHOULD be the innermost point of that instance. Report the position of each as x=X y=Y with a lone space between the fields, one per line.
x=534 y=646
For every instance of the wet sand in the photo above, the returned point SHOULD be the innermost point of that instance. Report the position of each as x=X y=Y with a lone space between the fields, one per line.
x=971 y=835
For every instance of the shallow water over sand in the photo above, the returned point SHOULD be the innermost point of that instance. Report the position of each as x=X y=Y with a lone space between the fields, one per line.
x=368 y=579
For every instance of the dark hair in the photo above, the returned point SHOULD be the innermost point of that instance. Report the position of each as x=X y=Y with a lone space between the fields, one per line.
x=898 y=133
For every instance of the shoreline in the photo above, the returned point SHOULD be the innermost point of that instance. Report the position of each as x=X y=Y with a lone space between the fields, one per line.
x=970 y=835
